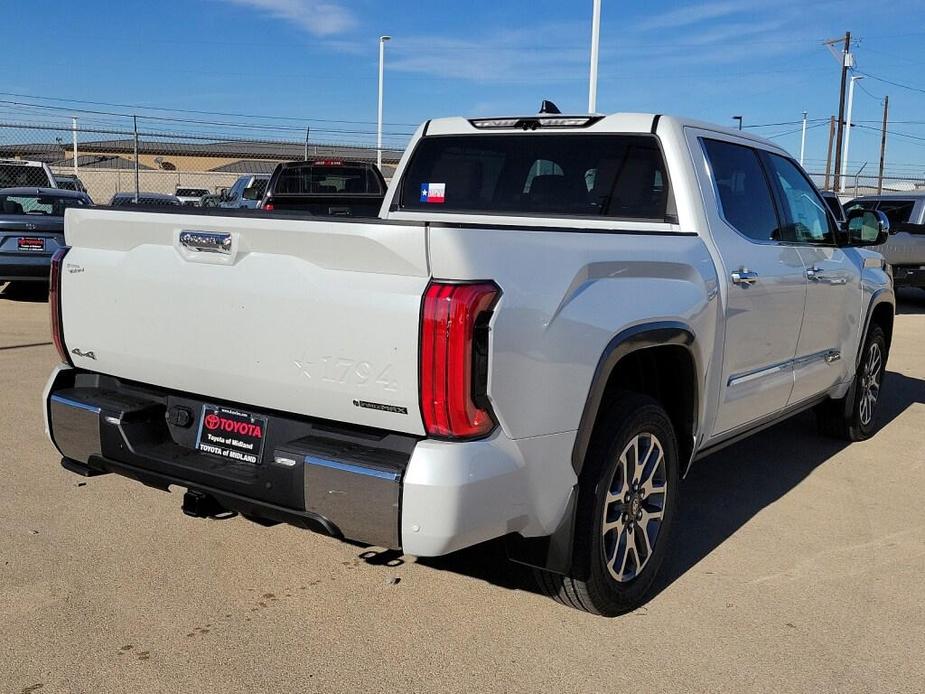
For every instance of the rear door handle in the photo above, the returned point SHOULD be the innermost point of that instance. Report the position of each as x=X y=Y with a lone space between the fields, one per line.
x=744 y=276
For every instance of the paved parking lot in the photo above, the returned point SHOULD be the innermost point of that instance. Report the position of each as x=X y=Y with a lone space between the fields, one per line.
x=800 y=567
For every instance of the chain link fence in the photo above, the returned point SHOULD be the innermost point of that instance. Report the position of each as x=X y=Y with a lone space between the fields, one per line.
x=110 y=160
x=107 y=161
x=857 y=185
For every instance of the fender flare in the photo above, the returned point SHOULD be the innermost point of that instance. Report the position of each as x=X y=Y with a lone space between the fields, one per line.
x=632 y=339
x=884 y=295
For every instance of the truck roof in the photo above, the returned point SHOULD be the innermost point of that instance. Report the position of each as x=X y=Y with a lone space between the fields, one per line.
x=584 y=122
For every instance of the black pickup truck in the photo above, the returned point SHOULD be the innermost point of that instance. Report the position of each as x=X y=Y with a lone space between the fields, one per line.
x=326 y=187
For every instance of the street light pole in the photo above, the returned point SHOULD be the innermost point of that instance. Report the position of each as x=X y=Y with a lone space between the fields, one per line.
x=738 y=118
x=803 y=139
x=595 y=52
x=844 y=157
x=382 y=40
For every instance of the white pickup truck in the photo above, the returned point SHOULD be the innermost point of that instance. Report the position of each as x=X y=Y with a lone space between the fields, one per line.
x=552 y=317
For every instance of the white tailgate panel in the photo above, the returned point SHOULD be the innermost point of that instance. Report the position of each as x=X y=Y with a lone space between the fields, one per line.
x=309 y=317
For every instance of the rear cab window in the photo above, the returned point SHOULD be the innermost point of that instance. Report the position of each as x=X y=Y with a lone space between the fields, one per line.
x=323 y=178
x=22 y=175
x=569 y=175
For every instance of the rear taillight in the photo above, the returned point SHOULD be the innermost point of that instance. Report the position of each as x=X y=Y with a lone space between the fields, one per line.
x=454 y=358
x=54 y=303
x=268 y=206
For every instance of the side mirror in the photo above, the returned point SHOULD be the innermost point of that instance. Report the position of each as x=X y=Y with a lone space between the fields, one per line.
x=867 y=227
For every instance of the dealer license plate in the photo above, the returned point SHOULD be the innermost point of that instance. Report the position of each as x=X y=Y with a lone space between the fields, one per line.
x=231 y=434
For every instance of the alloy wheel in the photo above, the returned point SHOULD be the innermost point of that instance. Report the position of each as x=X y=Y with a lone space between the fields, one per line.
x=870 y=382
x=634 y=507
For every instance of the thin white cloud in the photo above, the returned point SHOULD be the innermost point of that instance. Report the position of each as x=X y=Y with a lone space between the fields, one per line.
x=317 y=17
x=695 y=14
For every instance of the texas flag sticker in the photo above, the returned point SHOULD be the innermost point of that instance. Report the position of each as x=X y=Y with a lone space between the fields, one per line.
x=433 y=192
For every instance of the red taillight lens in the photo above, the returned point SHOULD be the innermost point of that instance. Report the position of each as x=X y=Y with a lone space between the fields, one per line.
x=54 y=303
x=267 y=206
x=454 y=332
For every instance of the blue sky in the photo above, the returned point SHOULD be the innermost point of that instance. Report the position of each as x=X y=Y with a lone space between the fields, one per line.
x=316 y=59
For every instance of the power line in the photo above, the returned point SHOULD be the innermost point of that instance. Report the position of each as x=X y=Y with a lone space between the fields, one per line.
x=284 y=128
x=194 y=111
x=895 y=84
x=787 y=122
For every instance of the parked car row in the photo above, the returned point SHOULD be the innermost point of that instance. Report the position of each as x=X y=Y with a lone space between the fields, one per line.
x=320 y=187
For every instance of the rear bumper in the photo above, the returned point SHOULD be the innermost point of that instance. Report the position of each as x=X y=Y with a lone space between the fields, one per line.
x=27 y=268
x=343 y=481
x=425 y=497
x=909 y=275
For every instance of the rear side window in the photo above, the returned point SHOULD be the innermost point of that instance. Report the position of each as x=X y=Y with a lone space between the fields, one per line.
x=620 y=176
x=312 y=179
x=19 y=175
x=834 y=206
x=897 y=211
x=742 y=189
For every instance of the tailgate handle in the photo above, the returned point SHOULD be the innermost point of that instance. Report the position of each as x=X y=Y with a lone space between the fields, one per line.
x=206 y=241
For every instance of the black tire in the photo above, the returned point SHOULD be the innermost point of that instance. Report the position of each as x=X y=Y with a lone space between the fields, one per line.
x=844 y=418
x=592 y=587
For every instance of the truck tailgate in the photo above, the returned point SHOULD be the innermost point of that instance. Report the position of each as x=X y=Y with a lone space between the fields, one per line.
x=319 y=318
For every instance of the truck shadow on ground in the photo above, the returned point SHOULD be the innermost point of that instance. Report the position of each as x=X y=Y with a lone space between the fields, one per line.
x=910 y=301
x=720 y=495
x=28 y=292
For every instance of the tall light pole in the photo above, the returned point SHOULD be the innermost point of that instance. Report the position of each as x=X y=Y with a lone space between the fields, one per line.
x=382 y=40
x=844 y=156
x=595 y=52
x=803 y=139
x=738 y=118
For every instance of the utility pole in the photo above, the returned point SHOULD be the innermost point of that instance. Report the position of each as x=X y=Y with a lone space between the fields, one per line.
x=307 y=130
x=886 y=111
x=135 y=124
x=844 y=163
x=803 y=139
x=382 y=40
x=74 y=139
x=845 y=64
x=595 y=52
x=828 y=157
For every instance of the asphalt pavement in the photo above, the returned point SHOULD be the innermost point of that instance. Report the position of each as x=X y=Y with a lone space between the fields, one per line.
x=799 y=566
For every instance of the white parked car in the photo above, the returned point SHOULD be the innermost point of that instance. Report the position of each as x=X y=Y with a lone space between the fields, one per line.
x=553 y=317
x=20 y=173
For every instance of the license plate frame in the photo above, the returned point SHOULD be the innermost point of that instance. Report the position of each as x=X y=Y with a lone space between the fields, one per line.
x=231 y=434
x=31 y=244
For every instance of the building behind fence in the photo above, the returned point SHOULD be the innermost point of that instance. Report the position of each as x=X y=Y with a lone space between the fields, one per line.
x=107 y=160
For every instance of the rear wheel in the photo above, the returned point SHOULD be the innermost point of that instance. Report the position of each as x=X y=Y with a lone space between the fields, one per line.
x=627 y=502
x=853 y=418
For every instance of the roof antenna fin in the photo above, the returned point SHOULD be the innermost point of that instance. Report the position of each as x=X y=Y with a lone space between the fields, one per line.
x=549 y=107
